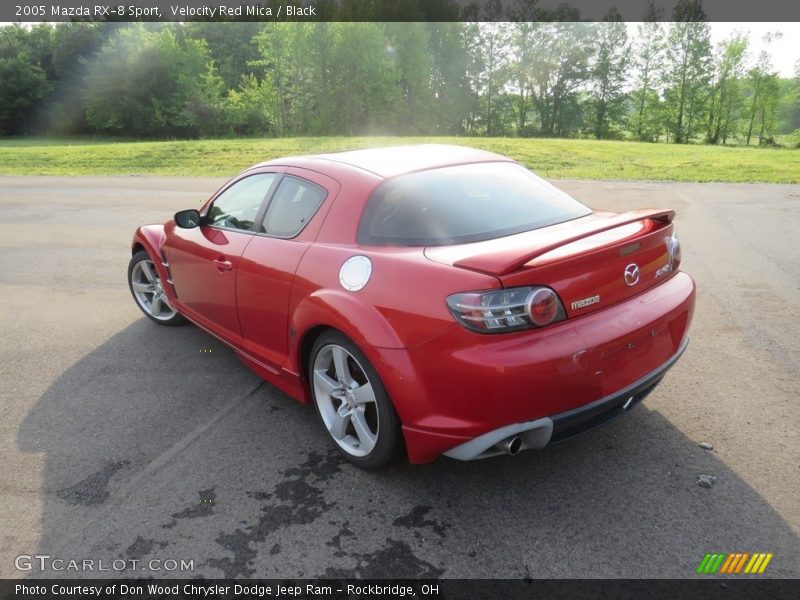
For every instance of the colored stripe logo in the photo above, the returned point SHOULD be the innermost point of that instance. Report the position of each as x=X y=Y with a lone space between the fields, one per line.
x=733 y=564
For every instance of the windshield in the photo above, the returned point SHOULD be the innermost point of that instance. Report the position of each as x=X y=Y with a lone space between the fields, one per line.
x=465 y=203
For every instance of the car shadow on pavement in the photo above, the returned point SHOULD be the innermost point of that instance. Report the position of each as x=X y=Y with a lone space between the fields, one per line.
x=161 y=446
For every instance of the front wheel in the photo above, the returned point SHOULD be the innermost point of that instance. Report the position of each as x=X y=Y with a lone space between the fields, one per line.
x=352 y=403
x=148 y=291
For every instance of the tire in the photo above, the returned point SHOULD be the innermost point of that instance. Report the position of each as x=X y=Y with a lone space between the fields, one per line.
x=148 y=292
x=352 y=403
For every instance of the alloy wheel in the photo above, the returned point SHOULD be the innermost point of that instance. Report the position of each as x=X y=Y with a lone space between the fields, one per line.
x=149 y=291
x=346 y=400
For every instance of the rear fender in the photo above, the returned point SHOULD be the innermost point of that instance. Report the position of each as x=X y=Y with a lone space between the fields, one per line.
x=358 y=320
x=362 y=324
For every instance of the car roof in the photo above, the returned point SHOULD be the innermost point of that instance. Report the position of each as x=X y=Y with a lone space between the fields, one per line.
x=397 y=160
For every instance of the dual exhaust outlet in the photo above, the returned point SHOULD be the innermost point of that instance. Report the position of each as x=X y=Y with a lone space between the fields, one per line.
x=511 y=445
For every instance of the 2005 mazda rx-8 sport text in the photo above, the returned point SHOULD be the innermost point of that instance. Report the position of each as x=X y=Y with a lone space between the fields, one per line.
x=439 y=296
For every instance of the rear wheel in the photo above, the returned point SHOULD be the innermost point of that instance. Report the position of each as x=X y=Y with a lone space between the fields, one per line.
x=352 y=403
x=148 y=291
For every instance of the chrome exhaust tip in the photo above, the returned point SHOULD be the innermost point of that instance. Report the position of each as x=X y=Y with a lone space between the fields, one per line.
x=511 y=446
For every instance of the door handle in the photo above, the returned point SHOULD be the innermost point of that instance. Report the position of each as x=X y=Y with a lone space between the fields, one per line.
x=223 y=265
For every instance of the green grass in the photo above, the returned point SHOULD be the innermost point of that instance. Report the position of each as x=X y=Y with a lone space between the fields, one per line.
x=567 y=159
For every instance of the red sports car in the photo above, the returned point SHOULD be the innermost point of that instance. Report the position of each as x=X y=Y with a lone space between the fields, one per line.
x=439 y=296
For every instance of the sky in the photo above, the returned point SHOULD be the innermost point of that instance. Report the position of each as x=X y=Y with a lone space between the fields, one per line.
x=785 y=51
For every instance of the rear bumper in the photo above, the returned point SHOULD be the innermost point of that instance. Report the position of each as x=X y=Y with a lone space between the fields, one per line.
x=461 y=385
x=563 y=426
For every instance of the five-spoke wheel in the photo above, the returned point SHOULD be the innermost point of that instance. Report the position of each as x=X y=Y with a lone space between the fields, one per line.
x=352 y=403
x=148 y=290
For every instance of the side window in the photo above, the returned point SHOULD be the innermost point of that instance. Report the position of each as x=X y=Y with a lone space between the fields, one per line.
x=294 y=203
x=237 y=207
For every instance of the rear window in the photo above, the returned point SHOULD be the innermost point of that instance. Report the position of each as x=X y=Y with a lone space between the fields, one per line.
x=466 y=203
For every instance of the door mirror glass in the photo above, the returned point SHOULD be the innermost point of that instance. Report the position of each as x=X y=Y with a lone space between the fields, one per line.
x=187 y=219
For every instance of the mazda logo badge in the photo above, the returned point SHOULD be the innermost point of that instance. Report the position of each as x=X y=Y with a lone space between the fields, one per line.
x=632 y=274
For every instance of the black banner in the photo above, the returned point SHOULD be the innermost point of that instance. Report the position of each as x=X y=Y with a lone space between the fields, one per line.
x=323 y=589
x=396 y=10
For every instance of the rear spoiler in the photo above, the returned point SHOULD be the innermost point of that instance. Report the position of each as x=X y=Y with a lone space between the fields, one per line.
x=507 y=262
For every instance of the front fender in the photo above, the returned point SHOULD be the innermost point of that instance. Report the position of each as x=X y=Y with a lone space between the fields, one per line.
x=152 y=238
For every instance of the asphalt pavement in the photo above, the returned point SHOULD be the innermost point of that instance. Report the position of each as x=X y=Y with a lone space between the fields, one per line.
x=125 y=441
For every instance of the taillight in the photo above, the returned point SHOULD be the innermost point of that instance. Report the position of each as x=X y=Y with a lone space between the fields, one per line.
x=674 y=248
x=513 y=309
x=544 y=307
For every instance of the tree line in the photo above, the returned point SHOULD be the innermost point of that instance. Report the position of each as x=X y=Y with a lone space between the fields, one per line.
x=527 y=78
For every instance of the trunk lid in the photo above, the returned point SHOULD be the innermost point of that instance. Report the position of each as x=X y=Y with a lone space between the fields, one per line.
x=592 y=262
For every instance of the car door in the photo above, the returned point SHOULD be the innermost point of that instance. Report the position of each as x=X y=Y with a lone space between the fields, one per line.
x=292 y=220
x=204 y=261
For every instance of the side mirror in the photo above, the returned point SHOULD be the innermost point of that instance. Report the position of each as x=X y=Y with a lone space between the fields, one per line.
x=188 y=219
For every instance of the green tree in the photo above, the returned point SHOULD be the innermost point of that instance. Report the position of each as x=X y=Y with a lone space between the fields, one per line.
x=450 y=60
x=291 y=63
x=474 y=69
x=649 y=53
x=793 y=101
x=74 y=46
x=609 y=75
x=408 y=49
x=39 y=47
x=22 y=85
x=23 y=80
x=688 y=68
x=725 y=95
x=493 y=48
x=230 y=45
x=246 y=110
x=142 y=80
x=329 y=77
x=560 y=69
x=363 y=92
x=763 y=90
x=521 y=74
